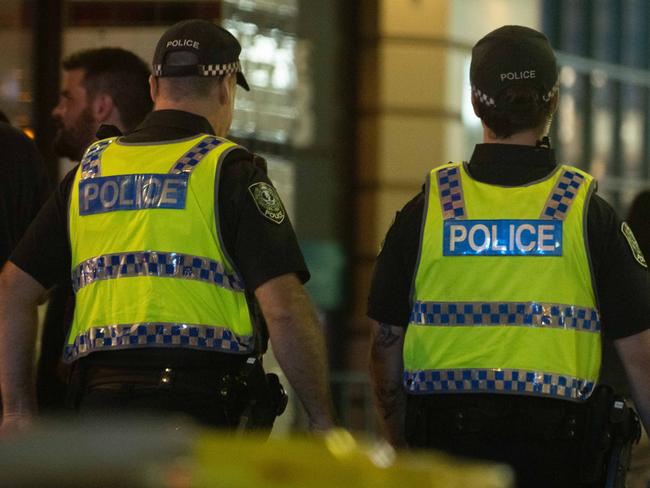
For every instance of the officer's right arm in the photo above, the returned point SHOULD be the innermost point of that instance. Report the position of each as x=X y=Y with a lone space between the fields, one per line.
x=634 y=352
x=386 y=368
x=298 y=345
x=19 y=296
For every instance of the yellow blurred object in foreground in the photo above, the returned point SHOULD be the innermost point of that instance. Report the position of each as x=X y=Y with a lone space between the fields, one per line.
x=334 y=460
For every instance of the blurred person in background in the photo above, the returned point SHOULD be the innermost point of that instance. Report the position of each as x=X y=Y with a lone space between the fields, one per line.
x=493 y=287
x=180 y=250
x=23 y=186
x=105 y=88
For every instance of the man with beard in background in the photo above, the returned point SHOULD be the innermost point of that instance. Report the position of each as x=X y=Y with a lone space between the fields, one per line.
x=105 y=86
x=105 y=91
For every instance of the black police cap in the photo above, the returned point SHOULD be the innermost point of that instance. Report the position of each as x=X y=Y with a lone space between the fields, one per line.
x=212 y=51
x=512 y=55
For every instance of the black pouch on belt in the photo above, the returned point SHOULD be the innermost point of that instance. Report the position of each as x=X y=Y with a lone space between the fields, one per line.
x=266 y=398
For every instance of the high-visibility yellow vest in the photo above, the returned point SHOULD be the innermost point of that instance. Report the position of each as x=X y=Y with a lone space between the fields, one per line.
x=149 y=267
x=503 y=299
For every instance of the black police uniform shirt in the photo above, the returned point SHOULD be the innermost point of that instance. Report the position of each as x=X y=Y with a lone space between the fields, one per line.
x=260 y=248
x=622 y=284
x=23 y=186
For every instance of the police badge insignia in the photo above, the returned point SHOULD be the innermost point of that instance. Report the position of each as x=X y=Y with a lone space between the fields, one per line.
x=268 y=201
x=634 y=246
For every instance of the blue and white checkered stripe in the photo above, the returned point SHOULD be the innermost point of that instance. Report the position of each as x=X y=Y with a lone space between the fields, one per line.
x=188 y=161
x=527 y=314
x=154 y=263
x=450 y=190
x=516 y=381
x=91 y=161
x=157 y=334
x=562 y=196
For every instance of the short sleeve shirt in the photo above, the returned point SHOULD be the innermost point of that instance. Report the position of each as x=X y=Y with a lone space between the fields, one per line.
x=622 y=283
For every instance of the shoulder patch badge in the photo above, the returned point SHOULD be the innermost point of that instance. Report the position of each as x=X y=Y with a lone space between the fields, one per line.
x=634 y=246
x=268 y=201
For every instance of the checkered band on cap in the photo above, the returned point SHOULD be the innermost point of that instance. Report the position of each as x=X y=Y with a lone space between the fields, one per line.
x=525 y=314
x=154 y=264
x=489 y=101
x=91 y=161
x=521 y=382
x=157 y=334
x=188 y=161
x=219 y=69
x=562 y=195
x=553 y=91
x=484 y=98
x=450 y=190
x=206 y=69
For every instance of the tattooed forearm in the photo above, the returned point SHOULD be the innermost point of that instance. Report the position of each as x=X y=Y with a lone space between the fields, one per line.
x=390 y=400
x=386 y=371
x=385 y=336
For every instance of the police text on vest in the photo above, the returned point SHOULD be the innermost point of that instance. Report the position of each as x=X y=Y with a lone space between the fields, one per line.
x=502 y=238
x=132 y=192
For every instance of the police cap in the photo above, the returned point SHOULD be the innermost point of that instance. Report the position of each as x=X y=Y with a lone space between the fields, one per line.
x=208 y=50
x=512 y=55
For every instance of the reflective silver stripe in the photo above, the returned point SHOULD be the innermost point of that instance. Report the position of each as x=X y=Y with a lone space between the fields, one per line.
x=154 y=263
x=450 y=190
x=517 y=381
x=562 y=196
x=530 y=314
x=157 y=334
x=91 y=161
x=188 y=161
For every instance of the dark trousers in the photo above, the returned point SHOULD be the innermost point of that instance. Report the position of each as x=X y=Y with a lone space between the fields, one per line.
x=199 y=395
x=541 y=439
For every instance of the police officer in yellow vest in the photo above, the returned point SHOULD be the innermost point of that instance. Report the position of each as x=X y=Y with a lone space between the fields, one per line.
x=177 y=244
x=495 y=284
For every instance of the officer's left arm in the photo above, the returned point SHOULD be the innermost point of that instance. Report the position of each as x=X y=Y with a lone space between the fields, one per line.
x=634 y=352
x=19 y=296
x=386 y=369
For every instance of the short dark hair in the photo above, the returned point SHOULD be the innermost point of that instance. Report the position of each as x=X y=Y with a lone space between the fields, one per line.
x=118 y=73
x=187 y=87
x=525 y=109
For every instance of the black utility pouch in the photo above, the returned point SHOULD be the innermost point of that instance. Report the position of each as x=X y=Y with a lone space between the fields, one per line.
x=612 y=427
x=626 y=431
x=266 y=398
